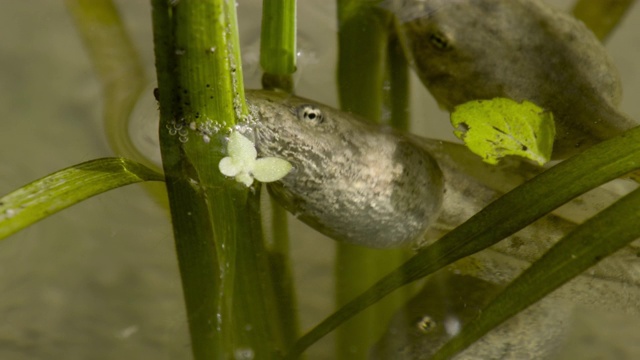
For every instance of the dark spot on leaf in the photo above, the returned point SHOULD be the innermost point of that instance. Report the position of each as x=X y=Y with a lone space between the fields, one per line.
x=498 y=130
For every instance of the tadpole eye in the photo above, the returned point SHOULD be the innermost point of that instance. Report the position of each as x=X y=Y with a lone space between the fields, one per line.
x=439 y=41
x=309 y=113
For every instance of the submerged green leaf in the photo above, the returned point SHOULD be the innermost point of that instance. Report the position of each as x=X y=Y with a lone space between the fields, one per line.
x=55 y=192
x=500 y=127
x=585 y=246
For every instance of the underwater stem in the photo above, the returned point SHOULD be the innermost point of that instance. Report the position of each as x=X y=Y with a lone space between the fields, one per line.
x=224 y=273
x=362 y=38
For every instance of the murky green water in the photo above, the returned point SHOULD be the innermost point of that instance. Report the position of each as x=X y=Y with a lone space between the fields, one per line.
x=100 y=280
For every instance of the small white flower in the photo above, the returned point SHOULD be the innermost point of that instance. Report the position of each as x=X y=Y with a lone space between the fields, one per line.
x=242 y=162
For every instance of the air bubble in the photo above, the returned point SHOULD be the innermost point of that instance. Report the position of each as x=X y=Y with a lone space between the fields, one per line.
x=426 y=324
x=452 y=326
x=127 y=332
x=244 y=354
x=9 y=213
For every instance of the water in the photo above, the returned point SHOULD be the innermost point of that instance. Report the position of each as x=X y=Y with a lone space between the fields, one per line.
x=75 y=286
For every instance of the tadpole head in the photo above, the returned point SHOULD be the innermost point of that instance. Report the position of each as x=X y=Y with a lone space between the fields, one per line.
x=460 y=48
x=351 y=180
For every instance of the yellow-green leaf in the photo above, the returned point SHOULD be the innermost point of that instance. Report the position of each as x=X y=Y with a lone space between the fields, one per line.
x=52 y=193
x=500 y=127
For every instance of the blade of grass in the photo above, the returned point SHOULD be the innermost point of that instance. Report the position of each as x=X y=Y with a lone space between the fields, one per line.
x=510 y=213
x=58 y=191
x=278 y=61
x=226 y=290
x=362 y=71
x=585 y=246
x=601 y=16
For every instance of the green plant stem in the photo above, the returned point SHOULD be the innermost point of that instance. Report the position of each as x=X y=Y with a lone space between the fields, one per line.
x=222 y=261
x=362 y=50
x=278 y=37
x=601 y=16
x=278 y=61
x=398 y=93
x=279 y=260
x=118 y=66
x=362 y=42
x=278 y=44
x=200 y=280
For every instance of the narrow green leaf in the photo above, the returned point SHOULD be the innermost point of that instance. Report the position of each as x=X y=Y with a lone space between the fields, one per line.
x=599 y=237
x=512 y=212
x=58 y=191
x=500 y=127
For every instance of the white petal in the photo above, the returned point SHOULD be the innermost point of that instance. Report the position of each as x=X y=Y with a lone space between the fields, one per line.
x=228 y=167
x=246 y=164
x=245 y=178
x=271 y=169
x=240 y=148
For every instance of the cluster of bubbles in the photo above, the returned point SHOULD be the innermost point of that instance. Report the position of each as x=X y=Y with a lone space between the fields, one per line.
x=178 y=128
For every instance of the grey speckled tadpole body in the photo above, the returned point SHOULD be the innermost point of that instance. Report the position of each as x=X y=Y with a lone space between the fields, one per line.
x=350 y=180
x=520 y=49
x=367 y=185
